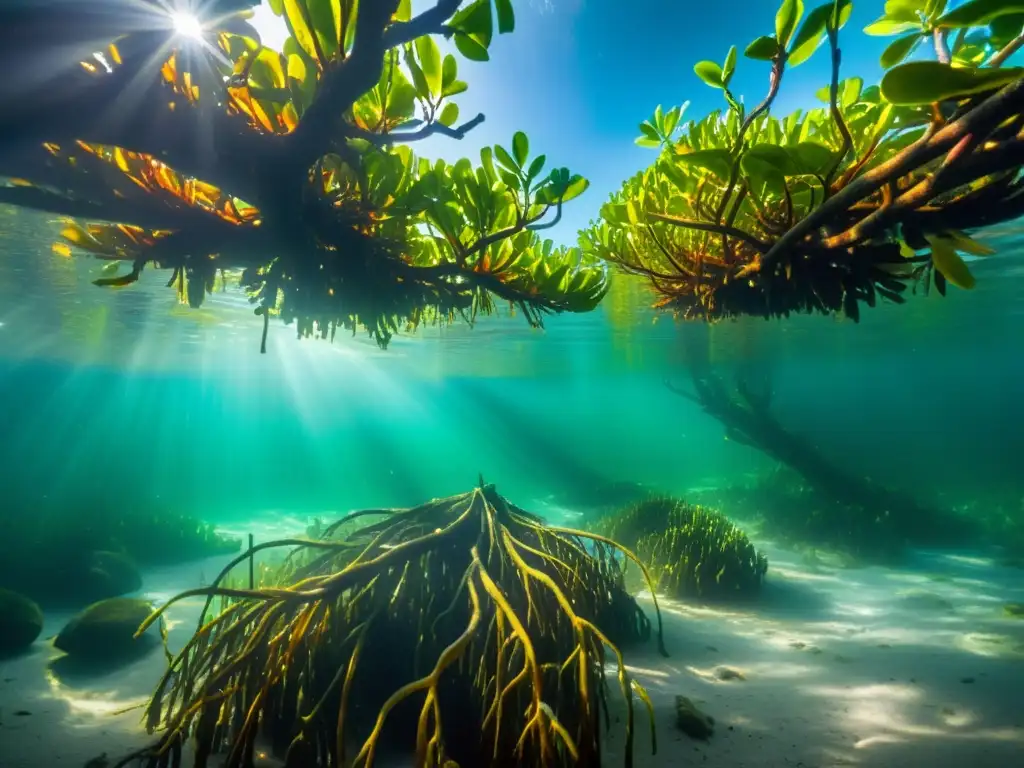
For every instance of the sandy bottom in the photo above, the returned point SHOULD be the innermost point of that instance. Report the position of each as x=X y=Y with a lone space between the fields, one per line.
x=836 y=667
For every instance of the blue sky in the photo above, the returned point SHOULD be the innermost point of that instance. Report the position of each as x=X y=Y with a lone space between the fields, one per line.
x=578 y=76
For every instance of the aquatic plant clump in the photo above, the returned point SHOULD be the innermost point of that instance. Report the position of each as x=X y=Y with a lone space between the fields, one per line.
x=464 y=631
x=745 y=213
x=690 y=551
x=290 y=171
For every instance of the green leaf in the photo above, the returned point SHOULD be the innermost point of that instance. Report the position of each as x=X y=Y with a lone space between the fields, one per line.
x=948 y=262
x=419 y=80
x=506 y=159
x=812 y=32
x=506 y=16
x=786 y=19
x=710 y=73
x=925 y=82
x=672 y=118
x=511 y=180
x=934 y=8
x=768 y=163
x=429 y=56
x=718 y=161
x=649 y=137
x=449 y=114
x=453 y=88
x=849 y=92
x=976 y=13
x=449 y=71
x=470 y=48
x=535 y=167
x=1005 y=28
x=763 y=48
x=520 y=147
x=729 y=69
x=577 y=186
x=473 y=28
x=899 y=49
x=812 y=157
x=887 y=26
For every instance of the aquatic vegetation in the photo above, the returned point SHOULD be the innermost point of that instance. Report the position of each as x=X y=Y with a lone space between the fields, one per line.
x=690 y=551
x=799 y=514
x=21 y=621
x=76 y=553
x=464 y=629
x=745 y=213
x=1014 y=610
x=106 y=630
x=291 y=171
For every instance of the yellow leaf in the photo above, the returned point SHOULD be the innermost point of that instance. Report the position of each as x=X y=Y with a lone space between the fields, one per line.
x=967 y=244
x=75 y=235
x=121 y=160
x=948 y=262
x=295 y=13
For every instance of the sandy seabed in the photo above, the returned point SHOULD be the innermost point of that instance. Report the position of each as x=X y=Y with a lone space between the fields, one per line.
x=871 y=667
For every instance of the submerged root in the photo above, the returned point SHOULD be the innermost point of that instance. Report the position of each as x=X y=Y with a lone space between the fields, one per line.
x=463 y=630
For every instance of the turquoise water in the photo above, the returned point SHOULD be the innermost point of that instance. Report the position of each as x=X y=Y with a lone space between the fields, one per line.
x=121 y=403
x=125 y=396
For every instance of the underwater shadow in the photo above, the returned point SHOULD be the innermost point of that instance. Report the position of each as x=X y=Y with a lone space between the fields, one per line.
x=74 y=670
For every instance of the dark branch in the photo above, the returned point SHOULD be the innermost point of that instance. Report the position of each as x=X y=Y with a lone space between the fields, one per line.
x=346 y=81
x=431 y=129
x=981 y=120
x=719 y=229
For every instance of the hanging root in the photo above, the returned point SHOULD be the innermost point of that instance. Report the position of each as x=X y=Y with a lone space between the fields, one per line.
x=463 y=630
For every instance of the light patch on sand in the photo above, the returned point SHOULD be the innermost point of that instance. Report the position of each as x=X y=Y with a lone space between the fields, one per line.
x=92 y=703
x=795 y=574
x=990 y=644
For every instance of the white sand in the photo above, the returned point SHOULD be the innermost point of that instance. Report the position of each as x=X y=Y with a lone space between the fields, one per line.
x=863 y=667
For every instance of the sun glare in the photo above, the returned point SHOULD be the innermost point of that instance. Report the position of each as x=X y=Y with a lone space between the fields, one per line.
x=187 y=25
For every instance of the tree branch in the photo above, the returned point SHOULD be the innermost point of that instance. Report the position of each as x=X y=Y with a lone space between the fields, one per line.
x=1008 y=50
x=981 y=120
x=130 y=108
x=431 y=129
x=345 y=82
x=719 y=229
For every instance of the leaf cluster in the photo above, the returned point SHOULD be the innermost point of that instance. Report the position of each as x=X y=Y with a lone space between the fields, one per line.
x=329 y=223
x=721 y=222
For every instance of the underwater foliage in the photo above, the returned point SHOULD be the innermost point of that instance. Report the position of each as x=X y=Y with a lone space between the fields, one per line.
x=746 y=213
x=87 y=550
x=870 y=530
x=464 y=629
x=290 y=171
x=690 y=551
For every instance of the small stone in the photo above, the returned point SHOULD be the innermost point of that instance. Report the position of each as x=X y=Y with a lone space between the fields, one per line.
x=728 y=673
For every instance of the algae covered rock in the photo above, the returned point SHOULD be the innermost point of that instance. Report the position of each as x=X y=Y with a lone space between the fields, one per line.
x=21 y=621
x=111 y=574
x=691 y=721
x=691 y=551
x=105 y=629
